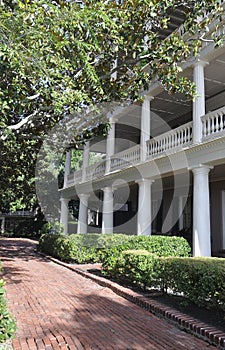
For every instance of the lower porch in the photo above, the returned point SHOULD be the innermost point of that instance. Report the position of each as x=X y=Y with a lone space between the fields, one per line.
x=169 y=205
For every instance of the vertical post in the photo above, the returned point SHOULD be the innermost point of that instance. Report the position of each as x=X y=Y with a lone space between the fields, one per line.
x=199 y=102
x=107 y=215
x=145 y=125
x=180 y=213
x=67 y=167
x=3 y=224
x=83 y=213
x=144 y=207
x=110 y=144
x=86 y=152
x=64 y=214
x=201 y=212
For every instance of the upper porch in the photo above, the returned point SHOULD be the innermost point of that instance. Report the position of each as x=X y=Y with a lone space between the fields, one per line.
x=180 y=138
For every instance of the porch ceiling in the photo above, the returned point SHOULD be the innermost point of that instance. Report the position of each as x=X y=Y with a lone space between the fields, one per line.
x=176 y=109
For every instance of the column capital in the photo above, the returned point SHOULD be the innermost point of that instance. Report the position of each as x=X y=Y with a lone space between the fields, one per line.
x=201 y=169
x=145 y=180
x=113 y=120
x=65 y=200
x=107 y=189
x=148 y=98
x=84 y=195
x=198 y=62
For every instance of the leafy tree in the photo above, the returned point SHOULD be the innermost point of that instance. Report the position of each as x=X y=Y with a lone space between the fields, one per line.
x=58 y=58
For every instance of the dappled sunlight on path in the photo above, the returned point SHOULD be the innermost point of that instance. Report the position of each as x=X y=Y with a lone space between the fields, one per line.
x=56 y=308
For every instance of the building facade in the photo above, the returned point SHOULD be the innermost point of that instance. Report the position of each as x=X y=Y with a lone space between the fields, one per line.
x=161 y=169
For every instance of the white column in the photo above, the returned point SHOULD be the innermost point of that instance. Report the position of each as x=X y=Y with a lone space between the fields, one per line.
x=67 y=167
x=3 y=224
x=199 y=102
x=85 y=164
x=180 y=213
x=201 y=212
x=144 y=219
x=107 y=210
x=145 y=125
x=110 y=144
x=64 y=214
x=83 y=214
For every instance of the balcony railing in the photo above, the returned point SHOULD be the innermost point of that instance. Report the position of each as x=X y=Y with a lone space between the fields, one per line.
x=170 y=141
x=95 y=171
x=125 y=158
x=213 y=124
x=74 y=178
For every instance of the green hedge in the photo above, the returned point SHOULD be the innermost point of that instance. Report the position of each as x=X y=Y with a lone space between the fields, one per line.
x=199 y=280
x=107 y=247
x=77 y=247
x=7 y=323
x=135 y=266
x=159 y=245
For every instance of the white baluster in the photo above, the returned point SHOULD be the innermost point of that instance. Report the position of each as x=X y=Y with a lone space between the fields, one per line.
x=221 y=121
x=168 y=142
x=152 y=148
x=174 y=140
x=208 y=127
x=217 y=123
x=178 y=138
x=163 y=144
x=212 y=125
x=191 y=133
x=204 y=128
x=182 y=136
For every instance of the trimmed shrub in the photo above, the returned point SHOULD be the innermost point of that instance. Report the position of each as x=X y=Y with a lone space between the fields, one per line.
x=136 y=267
x=159 y=245
x=107 y=248
x=162 y=245
x=201 y=280
x=66 y=248
x=77 y=247
x=7 y=323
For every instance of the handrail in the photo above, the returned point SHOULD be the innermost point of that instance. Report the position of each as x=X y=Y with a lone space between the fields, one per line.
x=171 y=140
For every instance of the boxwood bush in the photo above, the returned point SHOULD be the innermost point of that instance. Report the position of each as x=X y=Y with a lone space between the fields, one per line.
x=159 y=245
x=77 y=247
x=136 y=267
x=7 y=323
x=200 y=280
x=107 y=247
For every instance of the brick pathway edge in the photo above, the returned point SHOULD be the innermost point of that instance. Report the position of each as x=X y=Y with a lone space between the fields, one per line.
x=186 y=323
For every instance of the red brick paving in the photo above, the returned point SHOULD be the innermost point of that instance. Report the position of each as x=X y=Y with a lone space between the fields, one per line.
x=58 y=309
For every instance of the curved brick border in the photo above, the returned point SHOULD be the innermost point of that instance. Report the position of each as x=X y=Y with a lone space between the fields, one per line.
x=187 y=323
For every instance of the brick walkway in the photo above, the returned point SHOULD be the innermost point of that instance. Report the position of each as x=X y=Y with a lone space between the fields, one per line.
x=56 y=308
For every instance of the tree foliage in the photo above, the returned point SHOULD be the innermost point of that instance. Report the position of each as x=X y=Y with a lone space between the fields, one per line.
x=58 y=58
